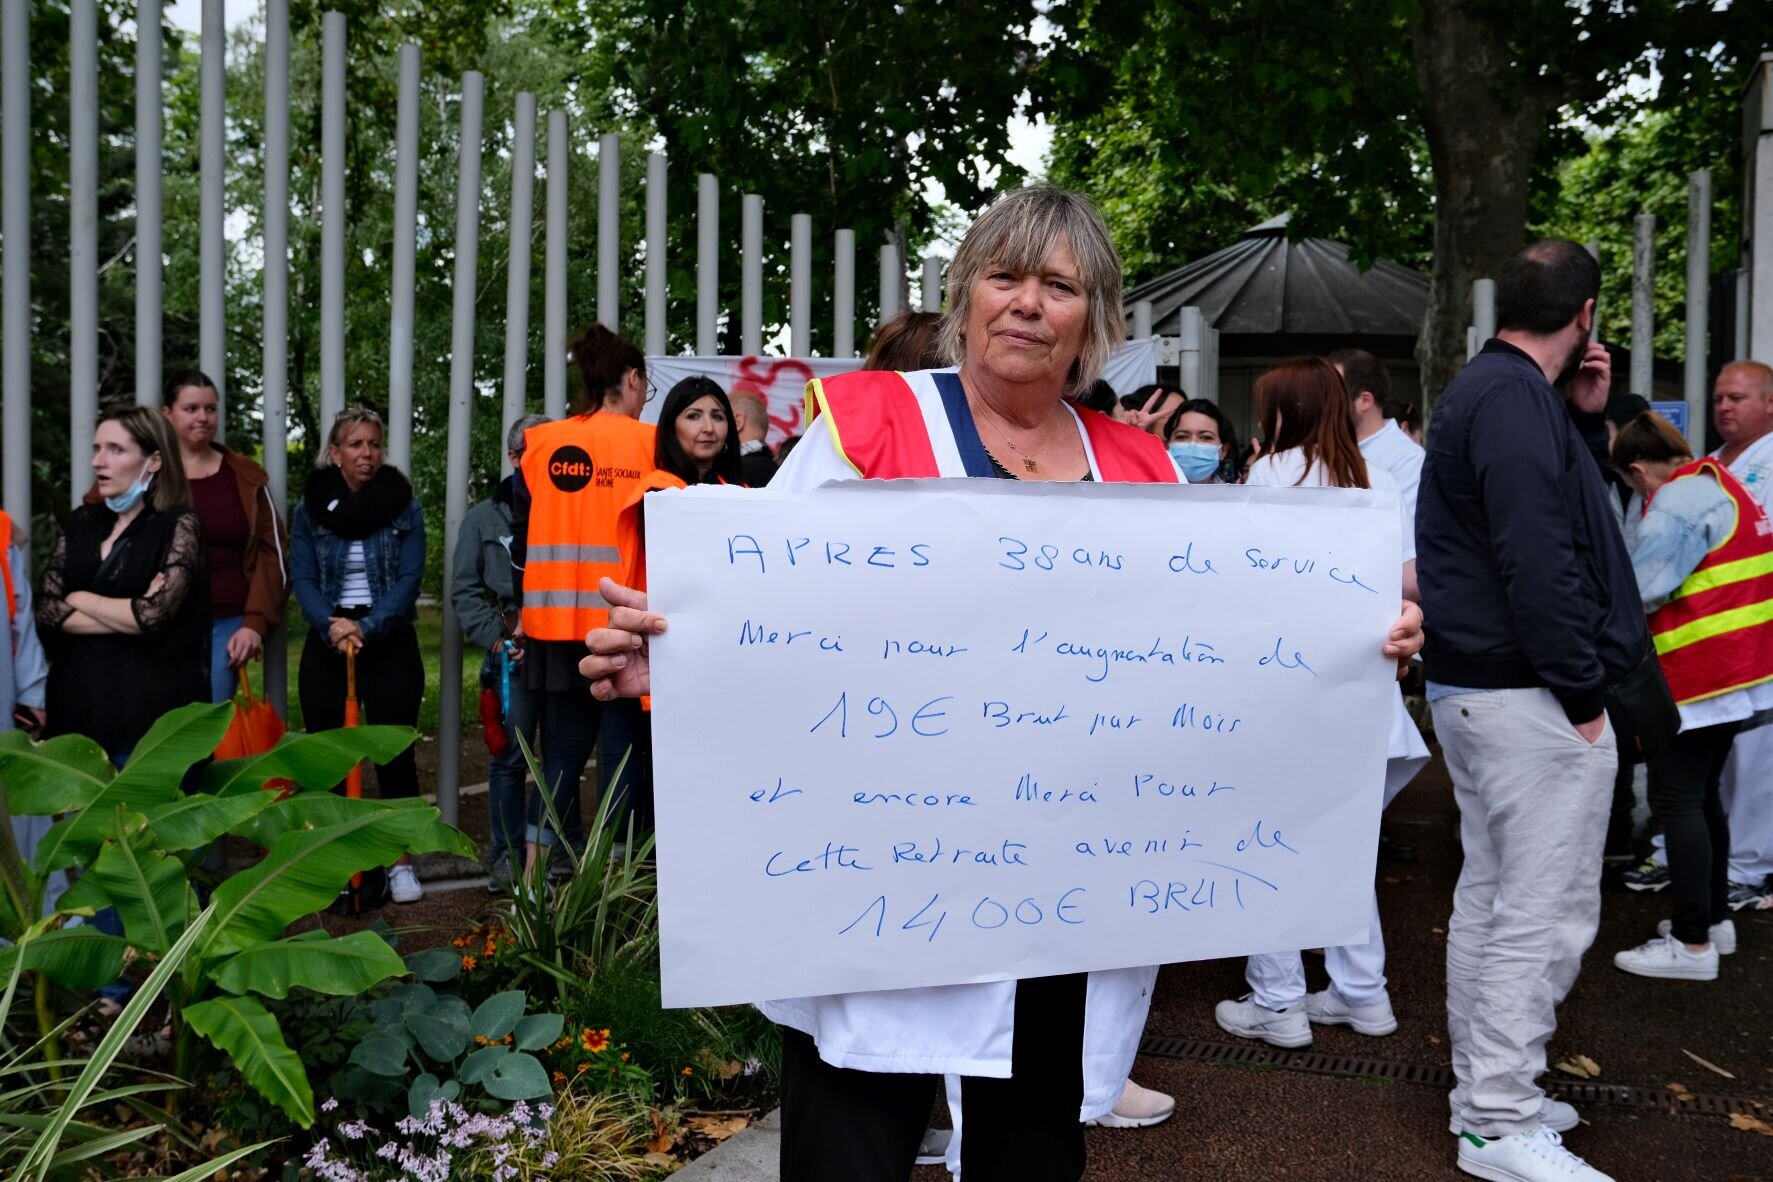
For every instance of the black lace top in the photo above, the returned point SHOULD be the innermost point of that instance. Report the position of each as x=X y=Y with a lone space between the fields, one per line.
x=111 y=687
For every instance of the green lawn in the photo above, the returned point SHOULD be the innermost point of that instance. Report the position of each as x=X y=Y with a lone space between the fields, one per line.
x=430 y=630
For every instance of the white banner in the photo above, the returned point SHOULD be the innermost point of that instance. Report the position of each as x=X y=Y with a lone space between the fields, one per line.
x=781 y=381
x=928 y=732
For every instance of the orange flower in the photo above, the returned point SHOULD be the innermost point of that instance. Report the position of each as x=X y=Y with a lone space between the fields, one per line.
x=582 y=1066
x=559 y=1078
x=689 y=1071
x=468 y=963
x=624 y=1056
x=595 y=1041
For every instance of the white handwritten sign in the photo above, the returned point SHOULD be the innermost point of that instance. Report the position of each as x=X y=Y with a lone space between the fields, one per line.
x=929 y=732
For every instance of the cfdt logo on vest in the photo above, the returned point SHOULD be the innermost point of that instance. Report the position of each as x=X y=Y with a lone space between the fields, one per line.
x=570 y=468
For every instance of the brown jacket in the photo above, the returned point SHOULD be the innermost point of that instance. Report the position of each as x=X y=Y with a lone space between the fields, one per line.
x=266 y=563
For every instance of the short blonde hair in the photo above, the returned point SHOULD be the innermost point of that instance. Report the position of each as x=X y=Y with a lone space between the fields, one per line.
x=1019 y=231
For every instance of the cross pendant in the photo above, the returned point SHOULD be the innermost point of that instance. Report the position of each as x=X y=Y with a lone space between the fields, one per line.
x=1030 y=465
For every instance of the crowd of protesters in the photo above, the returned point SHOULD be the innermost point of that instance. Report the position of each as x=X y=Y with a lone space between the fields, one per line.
x=1596 y=596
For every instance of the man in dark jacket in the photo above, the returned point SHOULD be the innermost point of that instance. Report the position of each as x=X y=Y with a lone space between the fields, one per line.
x=752 y=422
x=1532 y=610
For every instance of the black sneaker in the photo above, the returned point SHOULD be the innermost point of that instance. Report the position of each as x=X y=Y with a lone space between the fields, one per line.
x=1741 y=897
x=1650 y=876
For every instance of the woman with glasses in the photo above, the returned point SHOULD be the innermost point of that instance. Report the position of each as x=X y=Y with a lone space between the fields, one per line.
x=576 y=475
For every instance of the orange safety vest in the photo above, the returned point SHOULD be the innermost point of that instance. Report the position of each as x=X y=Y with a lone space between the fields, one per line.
x=878 y=427
x=579 y=472
x=1715 y=633
x=6 y=567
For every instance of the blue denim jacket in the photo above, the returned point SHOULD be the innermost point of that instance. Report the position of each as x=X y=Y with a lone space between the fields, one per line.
x=1686 y=519
x=394 y=556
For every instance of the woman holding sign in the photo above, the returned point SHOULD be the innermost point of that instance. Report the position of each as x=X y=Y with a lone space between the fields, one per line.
x=1034 y=293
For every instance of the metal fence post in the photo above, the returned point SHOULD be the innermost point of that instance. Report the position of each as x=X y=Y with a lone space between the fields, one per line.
x=523 y=198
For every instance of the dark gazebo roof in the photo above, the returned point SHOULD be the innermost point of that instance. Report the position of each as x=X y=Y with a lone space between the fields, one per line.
x=1265 y=286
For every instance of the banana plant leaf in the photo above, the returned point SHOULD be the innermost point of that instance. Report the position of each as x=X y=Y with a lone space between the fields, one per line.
x=318 y=810
x=57 y=776
x=304 y=872
x=317 y=760
x=345 y=966
x=79 y=958
x=247 y=1032
x=148 y=887
x=191 y=822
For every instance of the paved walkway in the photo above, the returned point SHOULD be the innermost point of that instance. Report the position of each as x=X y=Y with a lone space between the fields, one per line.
x=1282 y=1116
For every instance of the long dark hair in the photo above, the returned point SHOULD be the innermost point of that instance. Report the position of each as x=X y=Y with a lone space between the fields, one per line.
x=669 y=455
x=1303 y=404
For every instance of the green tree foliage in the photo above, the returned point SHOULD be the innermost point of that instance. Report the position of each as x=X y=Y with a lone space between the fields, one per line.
x=1414 y=129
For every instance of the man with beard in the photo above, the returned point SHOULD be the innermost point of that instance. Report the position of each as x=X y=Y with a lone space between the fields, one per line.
x=1532 y=611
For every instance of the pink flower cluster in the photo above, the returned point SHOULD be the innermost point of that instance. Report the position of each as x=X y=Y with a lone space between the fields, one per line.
x=430 y=1144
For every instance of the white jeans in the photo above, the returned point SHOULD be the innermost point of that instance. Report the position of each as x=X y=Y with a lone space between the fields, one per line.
x=1533 y=802
x=1357 y=971
x=1747 y=793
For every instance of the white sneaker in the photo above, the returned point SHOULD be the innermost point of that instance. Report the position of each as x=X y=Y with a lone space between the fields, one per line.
x=1723 y=935
x=1277 y=1028
x=1537 y=1156
x=403 y=885
x=1137 y=1108
x=1668 y=958
x=1555 y=1115
x=1326 y=1009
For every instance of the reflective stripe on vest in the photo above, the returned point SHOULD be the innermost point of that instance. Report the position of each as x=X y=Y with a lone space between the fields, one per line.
x=1715 y=633
x=579 y=472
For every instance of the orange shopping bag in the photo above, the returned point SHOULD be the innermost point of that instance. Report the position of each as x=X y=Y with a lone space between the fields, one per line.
x=255 y=730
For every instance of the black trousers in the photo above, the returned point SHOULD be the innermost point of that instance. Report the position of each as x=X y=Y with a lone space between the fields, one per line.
x=390 y=686
x=843 y=1125
x=1684 y=796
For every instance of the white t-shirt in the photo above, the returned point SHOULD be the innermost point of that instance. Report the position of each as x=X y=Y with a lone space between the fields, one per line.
x=1284 y=469
x=1754 y=467
x=1389 y=448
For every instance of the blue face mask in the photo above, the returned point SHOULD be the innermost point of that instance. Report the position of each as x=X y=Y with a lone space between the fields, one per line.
x=126 y=500
x=1198 y=461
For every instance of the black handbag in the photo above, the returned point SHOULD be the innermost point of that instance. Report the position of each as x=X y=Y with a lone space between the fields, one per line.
x=1643 y=711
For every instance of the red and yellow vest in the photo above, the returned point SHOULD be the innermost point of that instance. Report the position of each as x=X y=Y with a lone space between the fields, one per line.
x=579 y=472
x=1715 y=633
x=6 y=567
x=877 y=425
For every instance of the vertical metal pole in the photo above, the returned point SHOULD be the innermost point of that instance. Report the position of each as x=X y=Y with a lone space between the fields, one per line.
x=751 y=275
x=275 y=407
x=889 y=282
x=405 y=262
x=800 y=285
x=707 y=265
x=148 y=167
x=212 y=335
x=523 y=199
x=843 y=299
x=1593 y=246
x=1189 y=347
x=1740 y=334
x=83 y=242
x=461 y=395
x=932 y=284
x=1141 y=320
x=1471 y=341
x=554 y=278
x=1693 y=384
x=1643 y=305
x=656 y=278
x=1757 y=165
x=15 y=262
x=609 y=211
x=1483 y=309
x=1209 y=367
x=332 y=218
